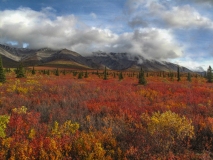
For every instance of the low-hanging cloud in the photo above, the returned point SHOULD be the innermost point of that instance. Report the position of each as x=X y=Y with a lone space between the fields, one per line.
x=148 y=42
x=45 y=29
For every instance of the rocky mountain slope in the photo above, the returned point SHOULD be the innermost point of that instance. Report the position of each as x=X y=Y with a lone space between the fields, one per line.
x=65 y=58
x=121 y=61
x=43 y=56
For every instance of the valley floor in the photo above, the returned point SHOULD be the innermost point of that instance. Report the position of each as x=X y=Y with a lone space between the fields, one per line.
x=63 y=117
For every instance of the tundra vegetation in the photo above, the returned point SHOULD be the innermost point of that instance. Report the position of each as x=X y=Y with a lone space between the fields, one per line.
x=98 y=116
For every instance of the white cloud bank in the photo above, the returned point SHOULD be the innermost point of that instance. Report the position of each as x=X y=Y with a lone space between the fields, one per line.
x=185 y=17
x=45 y=29
x=164 y=14
x=181 y=19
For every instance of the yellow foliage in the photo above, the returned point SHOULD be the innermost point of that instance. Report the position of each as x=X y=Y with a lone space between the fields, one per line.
x=170 y=124
x=19 y=151
x=169 y=130
x=43 y=154
x=98 y=153
x=51 y=150
x=209 y=103
x=32 y=133
x=32 y=82
x=149 y=93
x=21 y=110
x=4 y=119
x=55 y=129
x=84 y=145
x=88 y=118
x=69 y=127
x=12 y=88
x=22 y=90
x=54 y=153
x=24 y=87
x=6 y=142
x=96 y=145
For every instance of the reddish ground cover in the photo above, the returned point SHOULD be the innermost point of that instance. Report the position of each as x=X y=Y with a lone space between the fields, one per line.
x=63 y=117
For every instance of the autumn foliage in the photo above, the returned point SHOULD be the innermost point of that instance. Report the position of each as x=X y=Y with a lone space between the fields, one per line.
x=44 y=116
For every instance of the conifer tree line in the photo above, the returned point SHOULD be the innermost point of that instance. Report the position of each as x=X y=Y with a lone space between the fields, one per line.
x=80 y=75
x=209 y=75
x=86 y=74
x=141 y=77
x=33 y=71
x=2 y=74
x=178 y=73
x=189 y=77
x=105 y=74
x=57 y=72
x=121 y=76
x=20 y=71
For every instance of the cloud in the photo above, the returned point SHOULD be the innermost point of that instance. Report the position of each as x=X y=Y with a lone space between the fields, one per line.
x=148 y=42
x=193 y=65
x=93 y=15
x=203 y=1
x=138 y=21
x=45 y=29
x=165 y=14
x=185 y=17
x=36 y=28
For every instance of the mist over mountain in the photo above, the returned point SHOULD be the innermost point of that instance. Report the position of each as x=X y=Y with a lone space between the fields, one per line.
x=123 y=61
x=69 y=59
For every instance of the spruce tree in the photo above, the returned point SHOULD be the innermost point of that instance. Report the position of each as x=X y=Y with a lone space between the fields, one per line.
x=20 y=71
x=64 y=72
x=80 y=74
x=114 y=75
x=74 y=73
x=8 y=70
x=33 y=71
x=209 y=75
x=164 y=74
x=48 y=72
x=171 y=76
x=189 y=77
x=141 y=77
x=2 y=74
x=16 y=70
x=86 y=75
x=105 y=74
x=205 y=75
x=121 y=76
x=57 y=72
x=178 y=74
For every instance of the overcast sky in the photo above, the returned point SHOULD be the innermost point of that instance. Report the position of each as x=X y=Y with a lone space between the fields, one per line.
x=179 y=31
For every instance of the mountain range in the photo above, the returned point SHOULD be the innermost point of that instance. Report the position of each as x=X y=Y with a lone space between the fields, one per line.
x=64 y=58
